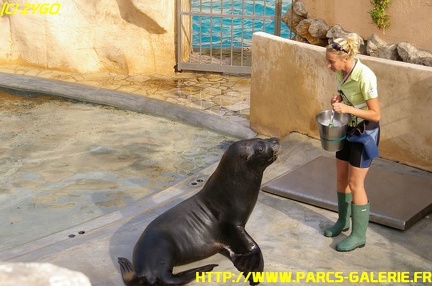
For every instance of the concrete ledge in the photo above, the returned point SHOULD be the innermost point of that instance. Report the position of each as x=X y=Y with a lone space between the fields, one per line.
x=128 y=101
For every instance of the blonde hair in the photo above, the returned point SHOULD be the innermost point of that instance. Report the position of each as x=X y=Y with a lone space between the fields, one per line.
x=349 y=45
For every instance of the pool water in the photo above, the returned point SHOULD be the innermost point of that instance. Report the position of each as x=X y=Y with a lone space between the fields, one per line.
x=64 y=162
x=215 y=30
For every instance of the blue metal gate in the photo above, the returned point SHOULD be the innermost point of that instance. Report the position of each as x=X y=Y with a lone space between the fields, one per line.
x=216 y=35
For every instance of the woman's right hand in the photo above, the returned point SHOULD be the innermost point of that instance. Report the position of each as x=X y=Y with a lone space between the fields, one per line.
x=335 y=99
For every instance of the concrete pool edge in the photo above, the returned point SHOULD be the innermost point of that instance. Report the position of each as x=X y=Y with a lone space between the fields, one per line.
x=127 y=101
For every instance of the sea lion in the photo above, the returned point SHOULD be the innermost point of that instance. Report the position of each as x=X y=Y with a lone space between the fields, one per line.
x=211 y=221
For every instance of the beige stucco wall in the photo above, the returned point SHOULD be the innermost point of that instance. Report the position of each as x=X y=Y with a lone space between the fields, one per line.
x=410 y=20
x=290 y=84
x=121 y=36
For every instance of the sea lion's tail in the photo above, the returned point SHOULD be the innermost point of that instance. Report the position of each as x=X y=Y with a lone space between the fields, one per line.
x=128 y=273
x=131 y=279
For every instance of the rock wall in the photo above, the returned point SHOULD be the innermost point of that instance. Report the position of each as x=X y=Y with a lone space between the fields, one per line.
x=318 y=32
x=409 y=19
x=122 y=36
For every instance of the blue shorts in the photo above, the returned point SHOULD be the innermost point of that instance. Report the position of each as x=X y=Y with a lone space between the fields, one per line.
x=354 y=153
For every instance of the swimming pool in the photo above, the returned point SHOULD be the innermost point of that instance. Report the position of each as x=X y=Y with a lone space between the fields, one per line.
x=213 y=28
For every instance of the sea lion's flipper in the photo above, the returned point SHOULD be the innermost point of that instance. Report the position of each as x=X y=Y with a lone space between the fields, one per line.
x=252 y=261
x=244 y=252
x=128 y=273
x=190 y=275
x=249 y=262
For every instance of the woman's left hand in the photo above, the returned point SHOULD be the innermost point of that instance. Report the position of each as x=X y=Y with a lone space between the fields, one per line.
x=373 y=112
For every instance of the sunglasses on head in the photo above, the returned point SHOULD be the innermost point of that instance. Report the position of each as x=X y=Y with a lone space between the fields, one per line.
x=337 y=47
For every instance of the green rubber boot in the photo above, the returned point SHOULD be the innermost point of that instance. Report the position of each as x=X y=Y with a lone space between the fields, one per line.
x=357 y=238
x=344 y=211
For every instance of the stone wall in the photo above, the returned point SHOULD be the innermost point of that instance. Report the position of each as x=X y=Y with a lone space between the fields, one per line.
x=290 y=84
x=121 y=36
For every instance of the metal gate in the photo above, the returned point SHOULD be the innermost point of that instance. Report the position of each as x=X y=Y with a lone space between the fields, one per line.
x=216 y=35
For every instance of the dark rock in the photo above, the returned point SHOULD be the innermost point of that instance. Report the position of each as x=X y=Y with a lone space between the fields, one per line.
x=302 y=29
x=376 y=47
x=319 y=28
x=295 y=14
x=410 y=54
x=291 y=20
x=300 y=39
x=336 y=32
x=300 y=9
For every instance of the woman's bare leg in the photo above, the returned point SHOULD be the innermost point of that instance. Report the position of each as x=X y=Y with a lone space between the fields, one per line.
x=356 y=181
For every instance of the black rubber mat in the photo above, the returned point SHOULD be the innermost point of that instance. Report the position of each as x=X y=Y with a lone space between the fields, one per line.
x=398 y=199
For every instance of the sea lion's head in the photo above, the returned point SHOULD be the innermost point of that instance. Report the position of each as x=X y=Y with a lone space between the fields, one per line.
x=256 y=153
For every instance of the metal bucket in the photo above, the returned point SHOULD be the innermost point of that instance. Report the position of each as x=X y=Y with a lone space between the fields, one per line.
x=332 y=137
